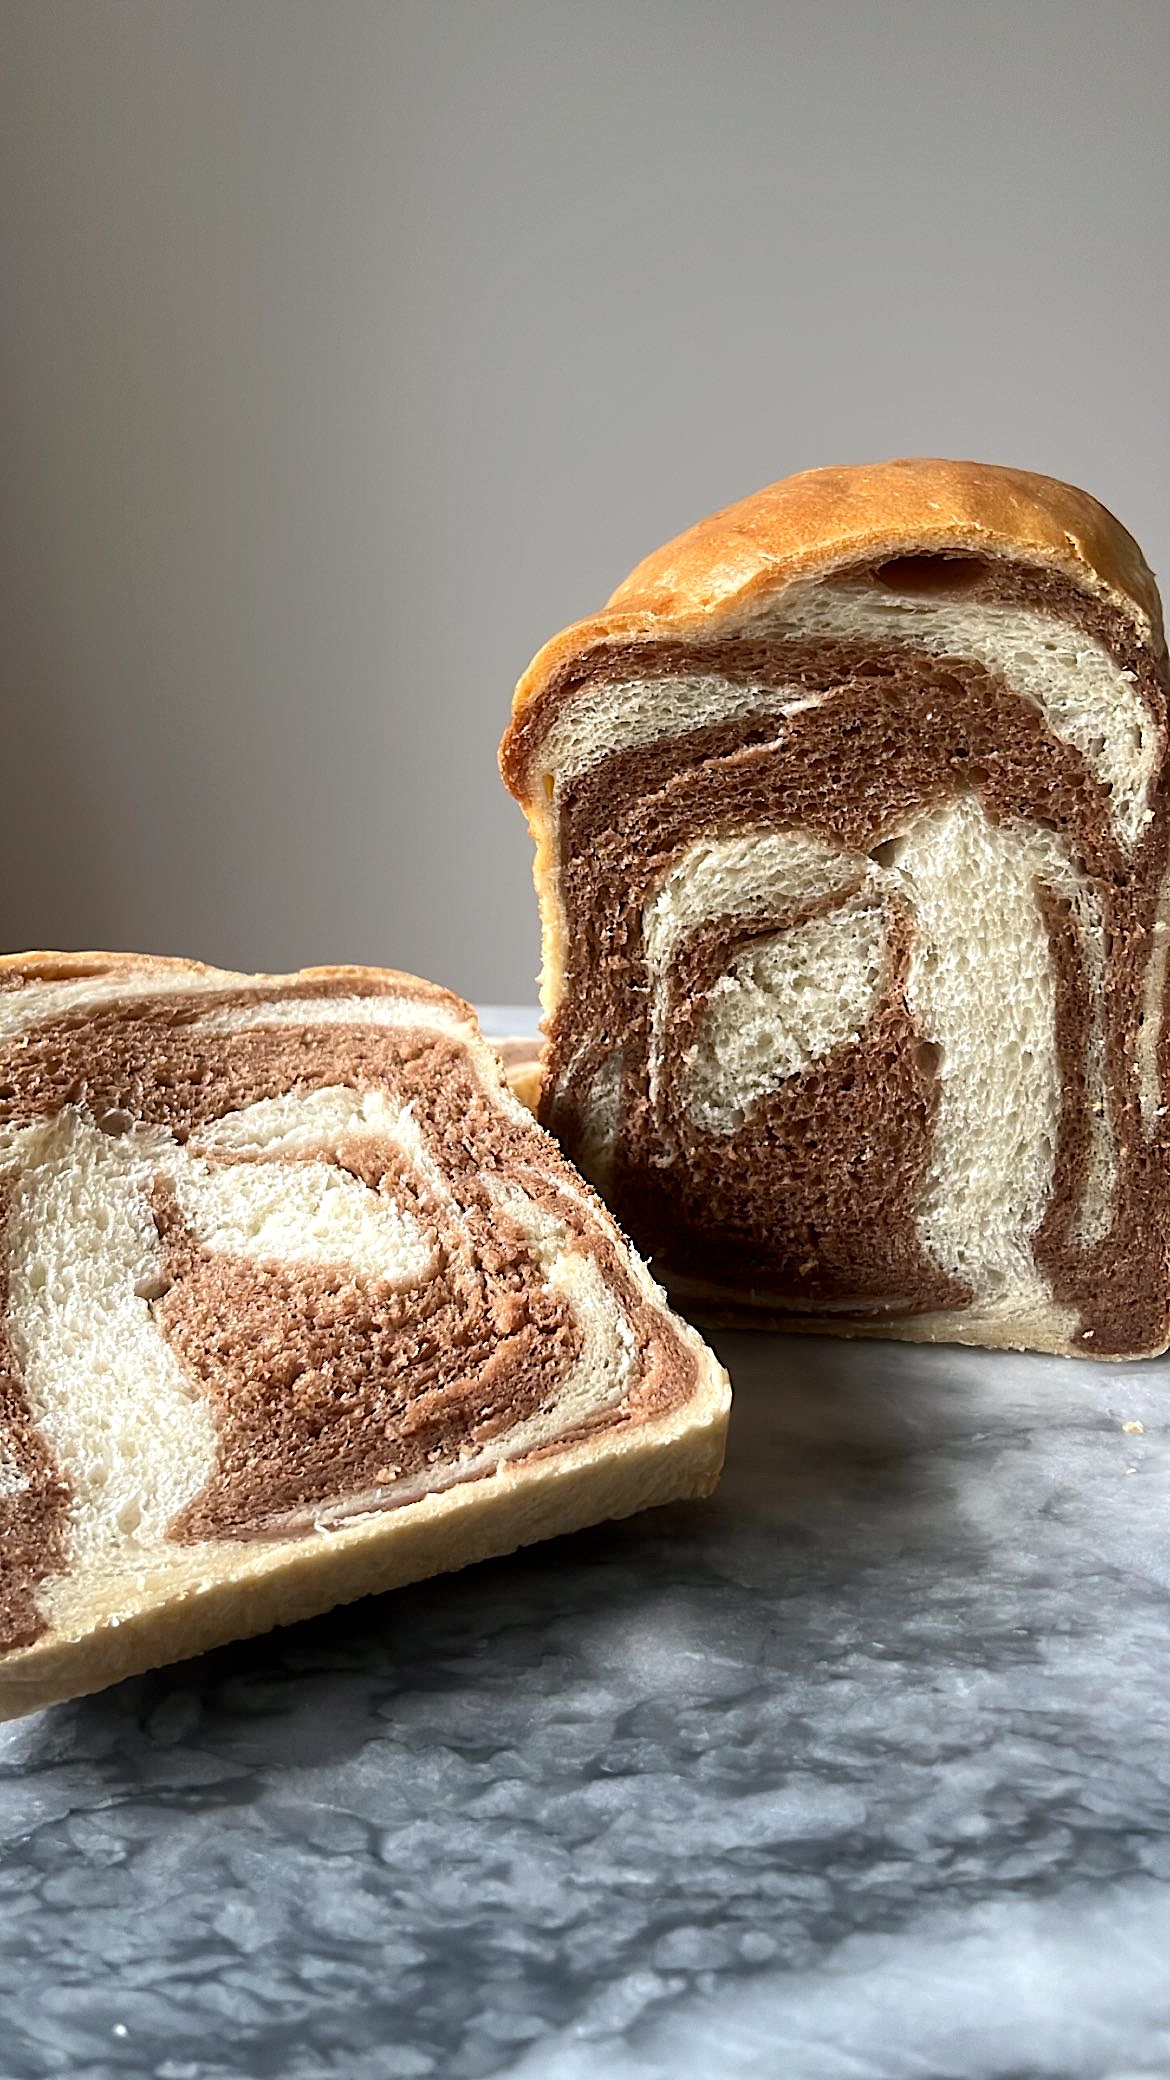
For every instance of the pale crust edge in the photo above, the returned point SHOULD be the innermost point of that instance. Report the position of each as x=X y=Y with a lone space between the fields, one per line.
x=675 y=1458
x=1040 y=1333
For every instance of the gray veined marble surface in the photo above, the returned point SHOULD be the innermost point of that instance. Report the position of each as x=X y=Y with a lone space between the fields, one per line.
x=860 y=1771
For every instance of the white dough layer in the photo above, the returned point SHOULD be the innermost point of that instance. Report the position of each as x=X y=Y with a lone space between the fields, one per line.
x=303 y=1121
x=305 y=1213
x=785 y=1002
x=783 y=1005
x=597 y=723
x=101 y=1381
x=40 y=1003
x=12 y=1480
x=983 y=986
x=754 y=871
x=331 y=1011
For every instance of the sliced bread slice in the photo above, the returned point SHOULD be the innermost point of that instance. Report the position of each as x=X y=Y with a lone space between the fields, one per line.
x=299 y=1303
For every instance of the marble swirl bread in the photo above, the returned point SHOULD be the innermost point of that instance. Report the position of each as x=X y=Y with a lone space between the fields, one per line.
x=299 y=1304
x=851 y=826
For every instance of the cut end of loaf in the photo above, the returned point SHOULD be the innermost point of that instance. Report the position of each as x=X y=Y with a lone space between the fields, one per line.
x=853 y=833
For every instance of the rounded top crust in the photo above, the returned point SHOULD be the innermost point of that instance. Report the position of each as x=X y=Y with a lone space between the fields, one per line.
x=820 y=520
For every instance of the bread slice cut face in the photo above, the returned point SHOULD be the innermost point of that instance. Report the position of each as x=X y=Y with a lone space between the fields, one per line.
x=299 y=1303
x=852 y=834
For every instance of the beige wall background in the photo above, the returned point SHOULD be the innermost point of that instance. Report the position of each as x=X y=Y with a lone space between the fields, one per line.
x=349 y=349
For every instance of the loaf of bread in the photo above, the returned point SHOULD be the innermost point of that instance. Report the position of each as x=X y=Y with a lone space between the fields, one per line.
x=299 y=1303
x=851 y=826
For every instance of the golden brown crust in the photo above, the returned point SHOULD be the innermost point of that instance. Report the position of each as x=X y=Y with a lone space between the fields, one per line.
x=812 y=523
x=823 y=517
x=525 y=1080
x=519 y=1055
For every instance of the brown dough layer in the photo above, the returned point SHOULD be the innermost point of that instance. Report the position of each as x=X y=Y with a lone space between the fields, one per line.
x=817 y=1144
x=815 y=1196
x=326 y=1385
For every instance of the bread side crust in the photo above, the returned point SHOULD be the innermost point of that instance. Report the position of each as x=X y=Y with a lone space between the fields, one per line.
x=1046 y=1331
x=524 y=1080
x=250 y=1588
x=1041 y=1332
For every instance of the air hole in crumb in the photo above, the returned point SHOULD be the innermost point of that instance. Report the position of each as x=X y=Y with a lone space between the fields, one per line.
x=922 y=576
x=116 y=1121
x=888 y=853
x=928 y=1058
x=153 y=1288
x=946 y=682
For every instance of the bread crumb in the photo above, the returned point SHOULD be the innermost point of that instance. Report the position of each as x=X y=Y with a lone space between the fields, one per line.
x=1134 y=1429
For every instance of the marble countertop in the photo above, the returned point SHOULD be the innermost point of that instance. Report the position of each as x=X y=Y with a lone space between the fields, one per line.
x=860 y=1771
